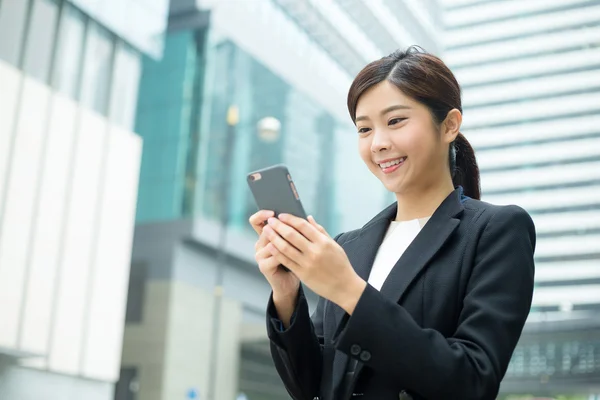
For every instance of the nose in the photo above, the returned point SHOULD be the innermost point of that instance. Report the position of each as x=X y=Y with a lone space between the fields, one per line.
x=381 y=141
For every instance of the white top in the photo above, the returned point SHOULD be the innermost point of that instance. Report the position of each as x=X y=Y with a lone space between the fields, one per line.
x=399 y=236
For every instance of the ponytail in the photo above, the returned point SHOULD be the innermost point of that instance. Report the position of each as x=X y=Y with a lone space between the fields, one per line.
x=463 y=166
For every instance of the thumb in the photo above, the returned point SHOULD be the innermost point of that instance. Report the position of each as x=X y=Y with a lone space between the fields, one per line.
x=316 y=225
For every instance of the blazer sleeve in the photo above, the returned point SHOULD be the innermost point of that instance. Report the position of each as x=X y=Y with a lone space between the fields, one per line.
x=297 y=351
x=471 y=363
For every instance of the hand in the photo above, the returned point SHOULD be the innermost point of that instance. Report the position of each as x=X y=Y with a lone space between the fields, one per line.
x=284 y=283
x=314 y=257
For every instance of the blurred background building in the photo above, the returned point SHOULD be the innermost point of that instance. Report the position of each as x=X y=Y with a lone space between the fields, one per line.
x=287 y=60
x=69 y=166
x=530 y=74
x=83 y=83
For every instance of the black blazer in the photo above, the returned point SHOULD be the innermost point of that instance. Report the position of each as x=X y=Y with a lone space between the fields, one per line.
x=443 y=326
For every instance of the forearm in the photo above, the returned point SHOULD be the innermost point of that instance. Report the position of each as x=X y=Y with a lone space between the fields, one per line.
x=296 y=349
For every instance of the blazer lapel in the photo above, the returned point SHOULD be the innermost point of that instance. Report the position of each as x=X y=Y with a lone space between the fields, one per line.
x=362 y=251
x=425 y=245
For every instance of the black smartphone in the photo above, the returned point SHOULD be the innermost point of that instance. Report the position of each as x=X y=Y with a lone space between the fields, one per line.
x=273 y=189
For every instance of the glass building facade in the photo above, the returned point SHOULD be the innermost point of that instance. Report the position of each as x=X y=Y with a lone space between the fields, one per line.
x=183 y=120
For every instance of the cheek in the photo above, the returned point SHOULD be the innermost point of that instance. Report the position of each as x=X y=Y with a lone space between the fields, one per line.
x=418 y=145
x=364 y=149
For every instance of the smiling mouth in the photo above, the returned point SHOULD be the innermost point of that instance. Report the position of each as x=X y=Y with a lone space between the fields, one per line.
x=391 y=165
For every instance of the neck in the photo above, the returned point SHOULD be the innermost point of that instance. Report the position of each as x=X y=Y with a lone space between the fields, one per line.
x=414 y=204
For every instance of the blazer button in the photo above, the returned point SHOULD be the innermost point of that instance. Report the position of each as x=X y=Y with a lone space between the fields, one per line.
x=404 y=396
x=365 y=356
x=355 y=349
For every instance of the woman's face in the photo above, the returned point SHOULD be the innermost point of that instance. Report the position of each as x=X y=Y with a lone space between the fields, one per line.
x=399 y=141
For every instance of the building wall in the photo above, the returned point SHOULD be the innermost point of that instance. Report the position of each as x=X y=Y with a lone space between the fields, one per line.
x=168 y=338
x=21 y=383
x=530 y=77
x=531 y=106
x=69 y=166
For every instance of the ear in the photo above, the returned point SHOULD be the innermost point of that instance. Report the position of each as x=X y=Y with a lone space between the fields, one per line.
x=451 y=126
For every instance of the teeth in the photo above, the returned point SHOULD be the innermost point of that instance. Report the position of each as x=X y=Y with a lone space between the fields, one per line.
x=390 y=163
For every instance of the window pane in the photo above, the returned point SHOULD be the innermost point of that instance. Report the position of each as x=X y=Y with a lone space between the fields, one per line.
x=125 y=87
x=68 y=53
x=97 y=68
x=12 y=26
x=40 y=41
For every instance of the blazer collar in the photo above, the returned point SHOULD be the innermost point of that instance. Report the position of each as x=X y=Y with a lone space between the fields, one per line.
x=362 y=251
x=429 y=240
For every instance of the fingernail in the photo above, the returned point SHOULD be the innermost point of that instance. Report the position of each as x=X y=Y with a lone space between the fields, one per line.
x=283 y=217
x=271 y=221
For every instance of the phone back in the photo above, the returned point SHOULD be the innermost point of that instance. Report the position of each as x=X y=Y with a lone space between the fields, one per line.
x=273 y=189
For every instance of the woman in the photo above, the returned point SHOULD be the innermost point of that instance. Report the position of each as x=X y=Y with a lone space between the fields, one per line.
x=428 y=299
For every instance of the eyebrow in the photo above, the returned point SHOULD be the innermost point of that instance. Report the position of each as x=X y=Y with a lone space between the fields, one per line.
x=384 y=111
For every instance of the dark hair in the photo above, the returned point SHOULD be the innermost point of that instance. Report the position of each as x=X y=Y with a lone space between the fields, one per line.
x=425 y=78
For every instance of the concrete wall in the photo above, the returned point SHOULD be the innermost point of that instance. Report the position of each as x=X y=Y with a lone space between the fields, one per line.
x=68 y=185
x=20 y=383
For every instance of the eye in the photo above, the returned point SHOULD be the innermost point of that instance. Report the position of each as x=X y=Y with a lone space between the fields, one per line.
x=395 y=121
x=363 y=130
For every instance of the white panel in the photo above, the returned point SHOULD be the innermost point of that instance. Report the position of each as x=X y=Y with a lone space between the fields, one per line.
x=566 y=295
x=532 y=87
x=347 y=28
x=567 y=221
x=563 y=128
x=382 y=12
x=528 y=46
x=503 y=9
x=548 y=199
x=10 y=80
x=519 y=68
x=106 y=317
x=21 y=192
x=554 y=152
x=543 y=176
x=48 y=228
x=79 y=242
x=568 y=246
x=566 y=271
x=535 y=109
x=508 y=28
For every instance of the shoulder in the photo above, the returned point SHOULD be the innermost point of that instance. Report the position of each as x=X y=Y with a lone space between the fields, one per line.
x=487 y=212
x=493 y=220
x=345 y=237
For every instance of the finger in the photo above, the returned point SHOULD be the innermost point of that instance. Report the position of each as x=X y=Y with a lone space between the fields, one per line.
x=290 y=234
x=268 y=264
x=262 y=254
x=262 y=241
x=282 y=245
x=314 y=223
x=303 y=226
x=257 y=220
x=282 y=259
